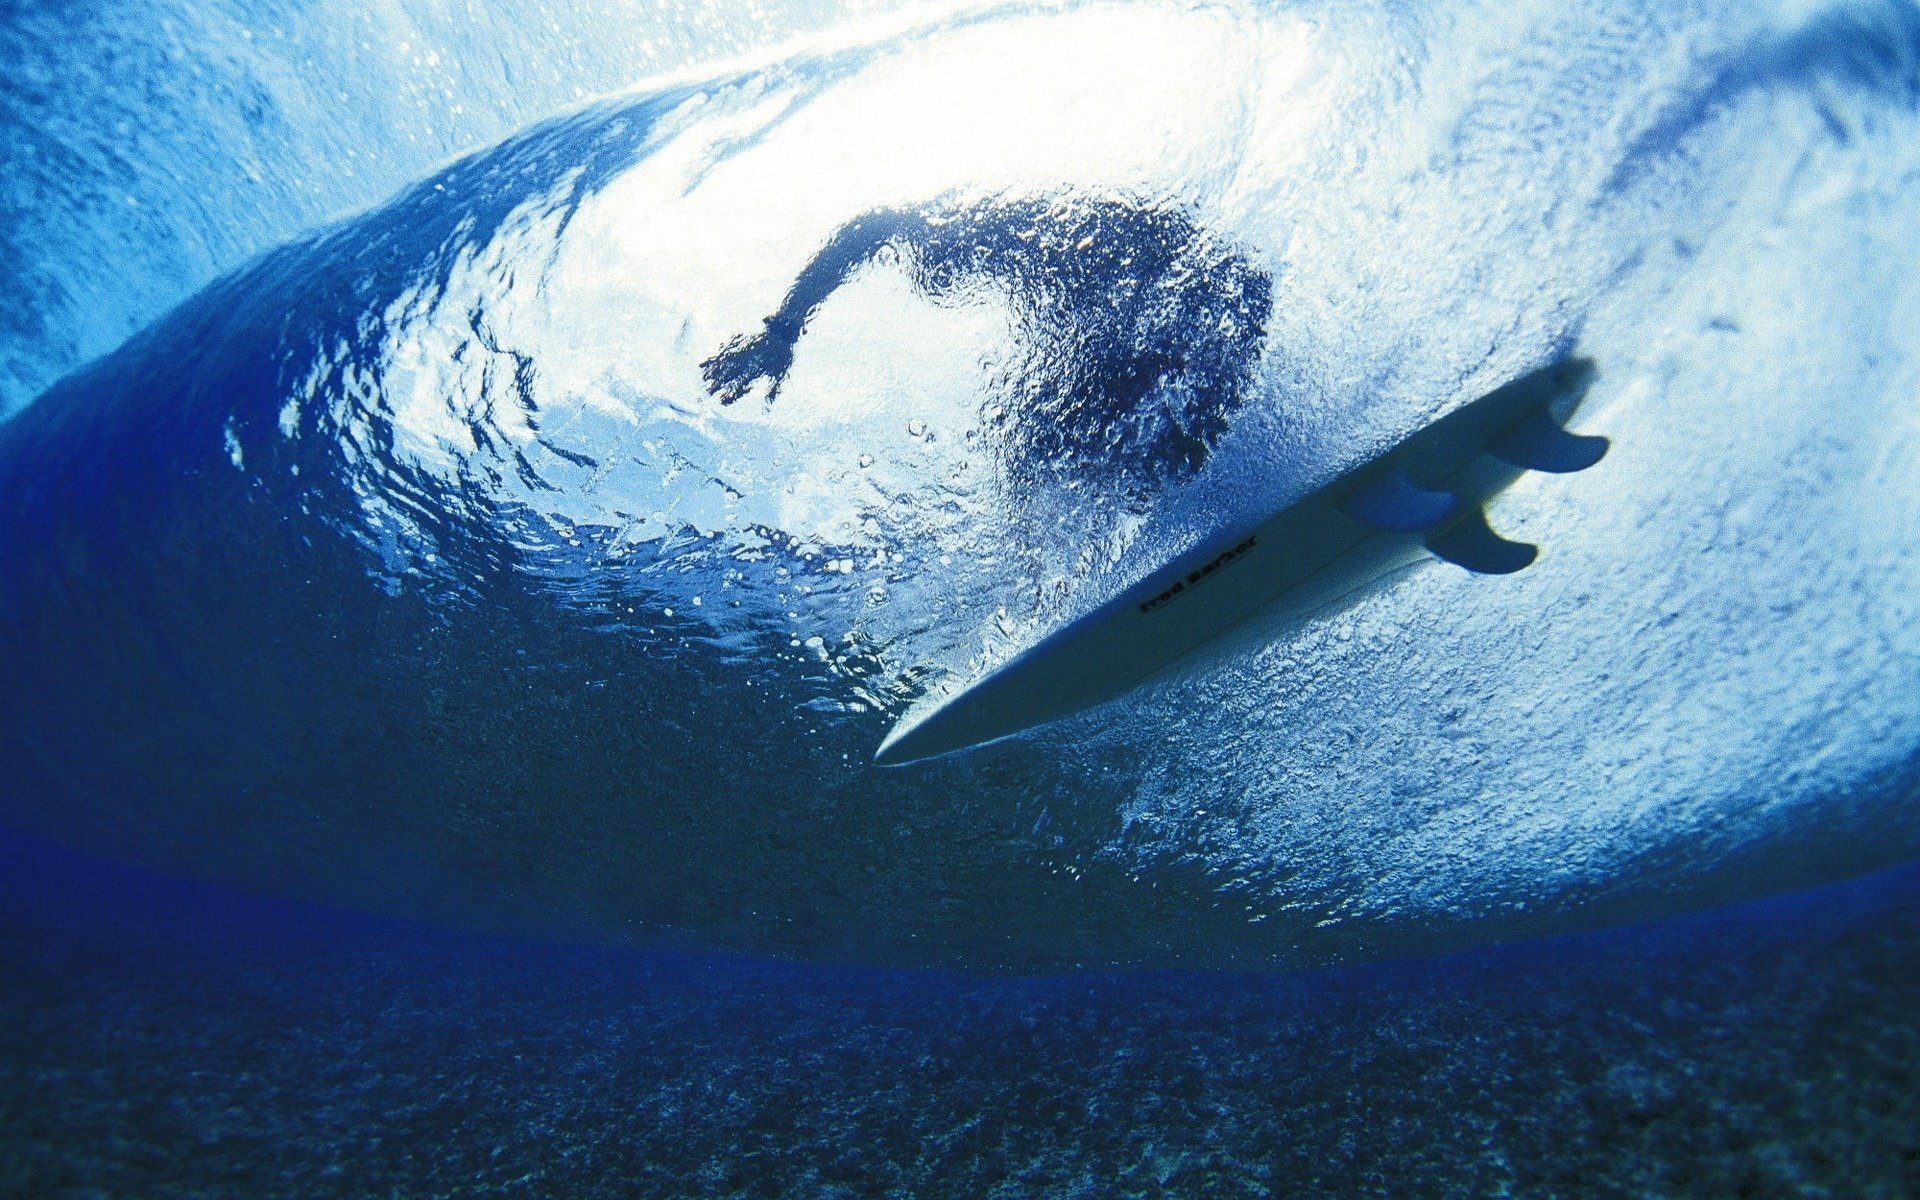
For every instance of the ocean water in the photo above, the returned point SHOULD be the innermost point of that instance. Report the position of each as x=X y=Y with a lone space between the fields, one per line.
x=480 y=484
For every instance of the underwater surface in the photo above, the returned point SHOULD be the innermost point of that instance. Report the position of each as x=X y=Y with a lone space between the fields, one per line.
x=481 y=483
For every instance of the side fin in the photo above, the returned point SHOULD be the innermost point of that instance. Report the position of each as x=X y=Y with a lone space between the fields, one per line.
x=1541 y=443
x=1471 y=543
x=1389 y=500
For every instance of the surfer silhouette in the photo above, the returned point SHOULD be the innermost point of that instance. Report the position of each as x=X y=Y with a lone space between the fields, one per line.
x=1138 y=331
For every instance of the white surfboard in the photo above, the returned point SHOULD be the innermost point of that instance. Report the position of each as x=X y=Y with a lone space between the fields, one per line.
x=1422 y=496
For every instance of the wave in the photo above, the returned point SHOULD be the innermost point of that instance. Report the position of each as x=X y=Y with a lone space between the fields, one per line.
x=424 y=565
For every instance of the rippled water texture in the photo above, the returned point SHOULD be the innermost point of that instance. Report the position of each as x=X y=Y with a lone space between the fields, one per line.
x=549 y=548
x=152 y=144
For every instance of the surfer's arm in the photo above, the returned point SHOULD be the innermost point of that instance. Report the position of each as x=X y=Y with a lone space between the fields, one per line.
x=744 y=361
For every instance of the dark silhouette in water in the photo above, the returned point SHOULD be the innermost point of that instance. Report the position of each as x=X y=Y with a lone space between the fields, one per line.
x=1139 y=330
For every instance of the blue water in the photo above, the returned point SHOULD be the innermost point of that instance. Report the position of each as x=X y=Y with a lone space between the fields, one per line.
x=480 y=485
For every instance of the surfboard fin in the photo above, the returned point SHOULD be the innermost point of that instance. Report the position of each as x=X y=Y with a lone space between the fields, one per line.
x=1471 y=543
x=1391 y=501
x=1541 y=443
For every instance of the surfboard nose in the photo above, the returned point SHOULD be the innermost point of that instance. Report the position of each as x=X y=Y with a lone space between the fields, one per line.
x=900 y=746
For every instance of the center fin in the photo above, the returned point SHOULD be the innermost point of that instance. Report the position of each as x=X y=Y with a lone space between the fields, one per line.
x=1389 y=500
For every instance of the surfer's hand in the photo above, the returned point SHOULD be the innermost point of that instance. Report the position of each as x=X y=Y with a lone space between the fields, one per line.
x=745 y=361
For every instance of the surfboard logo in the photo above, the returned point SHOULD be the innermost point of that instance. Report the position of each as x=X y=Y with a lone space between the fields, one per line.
x=1200 y=574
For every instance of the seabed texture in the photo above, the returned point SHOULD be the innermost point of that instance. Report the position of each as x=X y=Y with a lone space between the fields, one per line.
x=165 y=1040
